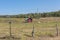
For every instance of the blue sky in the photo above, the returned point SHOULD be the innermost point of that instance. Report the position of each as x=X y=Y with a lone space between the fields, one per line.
x=13 y=7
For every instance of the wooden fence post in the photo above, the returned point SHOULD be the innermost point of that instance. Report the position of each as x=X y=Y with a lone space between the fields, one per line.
x=10 y=28
x=33 y=33
x=57 y=33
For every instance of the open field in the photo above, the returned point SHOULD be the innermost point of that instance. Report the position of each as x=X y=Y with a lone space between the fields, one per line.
x=44 y=28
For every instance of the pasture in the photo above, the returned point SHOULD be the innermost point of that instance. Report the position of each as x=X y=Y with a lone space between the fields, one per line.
x=44 y=28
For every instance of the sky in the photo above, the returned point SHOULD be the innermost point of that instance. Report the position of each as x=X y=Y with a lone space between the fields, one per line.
x=14 y=7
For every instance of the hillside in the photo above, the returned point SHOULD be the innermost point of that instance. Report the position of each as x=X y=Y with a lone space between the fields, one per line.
x=34 y=15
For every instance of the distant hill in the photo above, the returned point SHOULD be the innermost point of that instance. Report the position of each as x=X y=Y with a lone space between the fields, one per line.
x=34 y=15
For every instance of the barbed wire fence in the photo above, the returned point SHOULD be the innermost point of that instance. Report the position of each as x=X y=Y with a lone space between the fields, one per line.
x=56 y=28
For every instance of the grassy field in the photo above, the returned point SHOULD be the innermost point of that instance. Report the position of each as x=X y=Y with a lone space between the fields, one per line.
x=42 y=27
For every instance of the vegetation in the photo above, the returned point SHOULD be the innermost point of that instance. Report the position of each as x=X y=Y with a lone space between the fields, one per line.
x=46 y=27
x=35 y=15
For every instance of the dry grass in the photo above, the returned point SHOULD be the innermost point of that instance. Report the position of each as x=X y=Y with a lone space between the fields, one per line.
x=43 y=27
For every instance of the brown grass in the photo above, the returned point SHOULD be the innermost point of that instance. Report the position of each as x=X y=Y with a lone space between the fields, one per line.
x=43 y=30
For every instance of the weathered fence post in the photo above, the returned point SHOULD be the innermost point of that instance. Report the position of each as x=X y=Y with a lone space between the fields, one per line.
x=33 y=33
x=10 y=28
x=57 y=33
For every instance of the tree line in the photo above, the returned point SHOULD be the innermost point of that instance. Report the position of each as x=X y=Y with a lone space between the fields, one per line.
x=34 y=15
